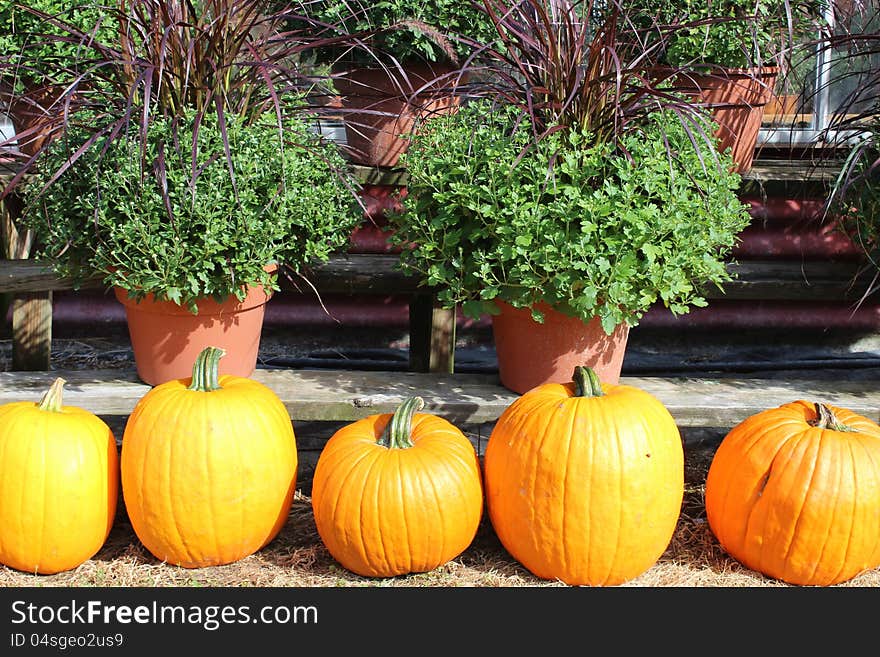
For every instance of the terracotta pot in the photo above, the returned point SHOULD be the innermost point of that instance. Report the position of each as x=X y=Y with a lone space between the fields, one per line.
x=737 y=99
x=531 y=353
x=166 y=337
x=35 y=115
x=379 y=106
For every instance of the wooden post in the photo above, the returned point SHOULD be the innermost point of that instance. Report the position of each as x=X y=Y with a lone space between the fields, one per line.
x=31 y=331
x=31 y=311
x=5 y=223
x=431 y=336
x=442 y=358
x=420 y=321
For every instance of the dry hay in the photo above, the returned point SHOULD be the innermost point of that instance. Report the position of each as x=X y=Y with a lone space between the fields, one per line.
x=297 y=558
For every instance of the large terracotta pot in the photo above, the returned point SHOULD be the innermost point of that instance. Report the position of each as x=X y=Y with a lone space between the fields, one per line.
x=737 y=99
x=166 y=338
x=380 y=109
x=531 y=353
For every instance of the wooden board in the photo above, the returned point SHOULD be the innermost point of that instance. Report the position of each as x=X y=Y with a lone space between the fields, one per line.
x=378 y=274
x=341 y=395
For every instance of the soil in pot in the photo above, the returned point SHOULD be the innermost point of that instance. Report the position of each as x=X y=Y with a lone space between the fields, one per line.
x=166 y=338
x=532 y=353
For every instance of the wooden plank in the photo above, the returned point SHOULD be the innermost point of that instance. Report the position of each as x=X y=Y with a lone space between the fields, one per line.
x=367 y=273
x=466 y=399
x=392 y=177
x=795 y=280
x=20 y=276
x=356 y=273
x=361 y=273
x=783 y=170
x=763 y=171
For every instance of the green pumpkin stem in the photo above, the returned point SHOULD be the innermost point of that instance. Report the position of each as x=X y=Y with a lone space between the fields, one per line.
x=825 y=419
x=52 y=398
x=206 y=370
x=586 y=382
x=398 y=431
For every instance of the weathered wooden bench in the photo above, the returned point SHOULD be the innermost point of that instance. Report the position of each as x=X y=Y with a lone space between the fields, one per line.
x=325 y=395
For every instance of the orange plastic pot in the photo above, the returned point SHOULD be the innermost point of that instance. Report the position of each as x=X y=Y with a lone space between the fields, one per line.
x=166 y=338
x=382 y=107
x=532 y=353
x=736 y=99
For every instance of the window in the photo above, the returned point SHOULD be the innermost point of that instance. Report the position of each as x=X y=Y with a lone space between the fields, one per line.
x=827 y=84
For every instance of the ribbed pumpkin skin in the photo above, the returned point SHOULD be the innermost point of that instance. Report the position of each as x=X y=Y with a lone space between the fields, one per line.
x=59 y=482
x=585 y=490
x=208 y=477
x=796 y=502
x=382 y=511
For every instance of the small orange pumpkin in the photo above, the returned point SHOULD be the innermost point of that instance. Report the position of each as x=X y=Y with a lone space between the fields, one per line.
x=59 y=482
x=794 y=493
x=208 y=466
x=584 y=480
x=397 y=494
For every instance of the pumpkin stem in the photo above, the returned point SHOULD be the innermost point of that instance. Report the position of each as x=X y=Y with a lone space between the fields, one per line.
x=206 y=370
x=51 y=400
x=398 y=431
x=825 y=419
x=586 y=382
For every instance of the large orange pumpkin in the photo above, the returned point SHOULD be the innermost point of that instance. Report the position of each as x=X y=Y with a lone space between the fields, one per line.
x=584 y=480
x=208 y=466
x=794 y=493
x=59 y=482
x=397 y=494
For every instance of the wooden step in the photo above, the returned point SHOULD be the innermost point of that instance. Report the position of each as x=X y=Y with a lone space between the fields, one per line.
x=464 y=399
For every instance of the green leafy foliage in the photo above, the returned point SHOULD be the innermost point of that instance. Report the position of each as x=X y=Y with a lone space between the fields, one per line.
x=732 y=33
x=170 y=219
x=587 y=227
x=24 y=42
x=425 y=30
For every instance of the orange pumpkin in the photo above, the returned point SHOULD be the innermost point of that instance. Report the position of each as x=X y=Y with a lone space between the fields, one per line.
x=208 y=466
x=397 y=494
x=794 y=493
x=584 y=480
x=59 y=482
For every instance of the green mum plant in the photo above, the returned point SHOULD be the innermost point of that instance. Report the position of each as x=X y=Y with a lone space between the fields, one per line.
x=571 y=175
x=590 y=229
x=181 y=235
